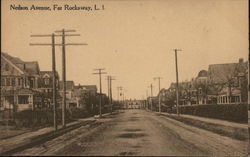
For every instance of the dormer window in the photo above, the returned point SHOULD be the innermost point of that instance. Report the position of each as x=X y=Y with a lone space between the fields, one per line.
x=46 y=81
x=200 y=90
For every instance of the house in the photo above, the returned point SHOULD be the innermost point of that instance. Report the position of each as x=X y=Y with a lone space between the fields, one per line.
x=45 y=86
x=22 y=85
x=230 y=81
x=71 y=100
x=18 y=83
x=86 y=95
x=221 y=84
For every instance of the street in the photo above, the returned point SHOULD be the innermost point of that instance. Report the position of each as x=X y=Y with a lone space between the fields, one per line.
x=142 y=133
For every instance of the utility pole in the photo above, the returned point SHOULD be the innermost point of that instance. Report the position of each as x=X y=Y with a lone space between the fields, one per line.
x=147 y=107
x=159 y=82
x=110 y=88
x=118 y=94
x=177 y=81
x=63 y=31
x=151 y=102
x=53 y=73
x=108 y=79
x=100 y=78
x=53 y=44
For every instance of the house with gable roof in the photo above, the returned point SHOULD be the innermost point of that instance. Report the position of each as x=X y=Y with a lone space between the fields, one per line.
x=21 y=84
x=230 y=81
x=18 y=81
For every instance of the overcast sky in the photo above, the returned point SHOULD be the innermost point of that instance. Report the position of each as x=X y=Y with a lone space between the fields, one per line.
x=133 y=40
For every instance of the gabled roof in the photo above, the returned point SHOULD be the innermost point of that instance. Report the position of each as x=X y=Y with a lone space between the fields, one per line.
x=221 y=73
x=15 y=60
x=31 y=68
x=50 y=73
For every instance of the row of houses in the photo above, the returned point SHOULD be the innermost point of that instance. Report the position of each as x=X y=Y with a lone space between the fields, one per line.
x=220 y=84
x=25 y=86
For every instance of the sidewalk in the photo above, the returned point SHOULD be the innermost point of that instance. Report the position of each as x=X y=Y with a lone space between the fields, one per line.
x=27 y=139
x=231 y=129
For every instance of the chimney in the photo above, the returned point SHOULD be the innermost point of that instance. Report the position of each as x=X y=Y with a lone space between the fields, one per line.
x=241 y=60
x=24 y=66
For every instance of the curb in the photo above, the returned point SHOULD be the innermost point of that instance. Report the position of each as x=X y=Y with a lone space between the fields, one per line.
x=224 y=130
x=44 y=137
x=33 y=141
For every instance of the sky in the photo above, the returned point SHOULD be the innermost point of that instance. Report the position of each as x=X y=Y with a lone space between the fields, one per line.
x=132 y=39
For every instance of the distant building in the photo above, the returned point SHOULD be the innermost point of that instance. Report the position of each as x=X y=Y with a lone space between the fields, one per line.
x=85 y=95
x=70 y=88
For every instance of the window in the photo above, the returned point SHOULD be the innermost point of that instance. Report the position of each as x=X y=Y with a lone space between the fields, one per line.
x=46 y=81
x=7 y=81
x=31 y=83
x=23 y=99
x=2 y=81
x=19 y=81
x=13 y=81
x=200 y=90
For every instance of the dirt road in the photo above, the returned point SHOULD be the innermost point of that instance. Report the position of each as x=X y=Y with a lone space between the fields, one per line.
x=139 y=132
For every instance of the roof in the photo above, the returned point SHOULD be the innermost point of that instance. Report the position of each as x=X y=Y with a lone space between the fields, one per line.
x=202 y=73
x=50 y=73
x=12 y=59
x=31 y=68
x=87 y=87
x=221 y=73
x=69 y=85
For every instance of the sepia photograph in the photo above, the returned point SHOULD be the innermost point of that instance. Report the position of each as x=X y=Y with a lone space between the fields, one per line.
x=124 y=78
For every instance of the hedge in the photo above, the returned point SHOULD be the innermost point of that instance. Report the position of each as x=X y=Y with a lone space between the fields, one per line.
x=29 y=118
x=230 y=112
x=45 y=117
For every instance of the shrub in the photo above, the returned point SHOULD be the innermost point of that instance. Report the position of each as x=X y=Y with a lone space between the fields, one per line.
x=230 y=112
x=45 y=117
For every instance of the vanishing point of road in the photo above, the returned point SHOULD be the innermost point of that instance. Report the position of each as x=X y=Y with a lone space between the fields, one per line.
x=142 y=133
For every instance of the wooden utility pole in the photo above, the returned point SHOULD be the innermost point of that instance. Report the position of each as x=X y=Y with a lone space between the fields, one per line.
x=53 y=73
x=64 y=69
x=108 y=83
x=100 y=78
x=147 y=99
x=177 y=81
x=118 y=94
x=159 y=82
x=110 y=92
x=53 y=44
x=151 y=101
